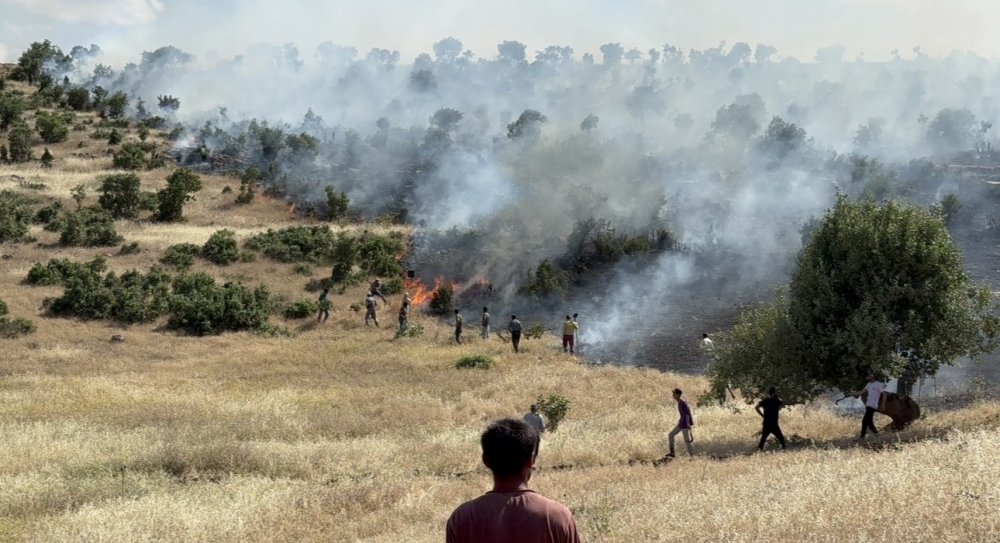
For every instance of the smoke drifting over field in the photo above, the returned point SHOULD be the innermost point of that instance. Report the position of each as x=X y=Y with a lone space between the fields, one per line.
x=716 y=157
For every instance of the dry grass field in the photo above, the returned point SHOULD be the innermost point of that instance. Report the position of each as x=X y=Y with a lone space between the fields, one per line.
x=341 y=433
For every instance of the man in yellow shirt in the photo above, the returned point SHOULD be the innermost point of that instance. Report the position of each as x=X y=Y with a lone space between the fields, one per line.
x=569 y=334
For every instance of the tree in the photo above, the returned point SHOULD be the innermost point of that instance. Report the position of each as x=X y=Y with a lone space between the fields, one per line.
x=337 y=204
x=20 y=142
x=448 y=49
x=121 y=195
x=79 y=193
x=78 y=98
x=11 y=107
x=32 y=62
x=781 y=138
x=248 y=185
x=116 y=105
x=130 y=157
x=879 y=289
x=527 y=125
x=181 y=186
x=511 y=51
x=168 y=104
x=613 y=53
x=446 y=118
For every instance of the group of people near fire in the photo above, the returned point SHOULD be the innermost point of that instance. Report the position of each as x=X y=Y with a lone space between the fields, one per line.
x=511 y=511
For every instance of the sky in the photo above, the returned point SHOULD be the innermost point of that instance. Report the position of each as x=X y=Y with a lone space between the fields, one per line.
x=222 y=28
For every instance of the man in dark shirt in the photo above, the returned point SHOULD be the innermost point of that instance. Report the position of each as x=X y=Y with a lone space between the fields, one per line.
x=515 y=332
x=684 y=425
x=768 y=410
x=511 y=512
x=458 y=326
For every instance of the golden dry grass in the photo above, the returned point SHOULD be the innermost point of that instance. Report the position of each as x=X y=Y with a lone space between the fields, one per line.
x=341 y=433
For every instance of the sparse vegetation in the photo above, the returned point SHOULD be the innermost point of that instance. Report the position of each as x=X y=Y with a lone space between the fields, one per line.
x=475 y=361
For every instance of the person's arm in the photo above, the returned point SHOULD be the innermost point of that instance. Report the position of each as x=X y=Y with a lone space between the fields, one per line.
x=759 y=409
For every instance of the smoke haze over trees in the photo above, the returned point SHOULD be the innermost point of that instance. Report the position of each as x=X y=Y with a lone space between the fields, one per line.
x=636 y=171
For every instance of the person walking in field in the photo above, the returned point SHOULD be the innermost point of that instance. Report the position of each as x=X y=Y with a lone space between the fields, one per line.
x=511 y=512
x=458 y=327
x=515 y=332
x=538 y=423
x=485 y=331
x=569 y=334
x=768 y=409
x=874 y=389
x=404 y=317
x=324 y=305
x=371 y=313
x=684 y=425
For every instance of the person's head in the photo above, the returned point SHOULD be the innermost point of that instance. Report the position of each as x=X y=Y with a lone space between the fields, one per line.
x=484 y=310
x=534 y=408
x=406 y=294
x=772 y=392
x=456 y=312
x=509 y=448
x=677 y=394
x=567 y=317
x=704 y=336
x=575 y=315
x=326 y=290
x=513 y=317
x=870 y=377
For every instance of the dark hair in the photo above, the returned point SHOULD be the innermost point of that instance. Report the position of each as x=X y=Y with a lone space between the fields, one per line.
x=567 y=317
x=484 y=309
x=575 y=315
x=508 y=445
x=678 y=392
x=772 y=391
x=512 y=317
x=456 y=312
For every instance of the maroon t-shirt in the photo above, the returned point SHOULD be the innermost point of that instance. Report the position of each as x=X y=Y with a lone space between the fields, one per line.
x=512 y=517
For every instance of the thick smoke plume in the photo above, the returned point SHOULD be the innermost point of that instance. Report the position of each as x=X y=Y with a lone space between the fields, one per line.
x=718 y=157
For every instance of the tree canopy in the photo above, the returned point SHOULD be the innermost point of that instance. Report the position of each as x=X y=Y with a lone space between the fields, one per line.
x=879 y=288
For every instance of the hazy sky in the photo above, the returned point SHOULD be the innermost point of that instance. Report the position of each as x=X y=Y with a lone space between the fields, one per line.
x=208 y=28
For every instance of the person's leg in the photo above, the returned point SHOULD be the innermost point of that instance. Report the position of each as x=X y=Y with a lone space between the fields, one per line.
x=565 y=342
x=670 y=438
x=868 y=421
x=766 y=431
x=515 y=338
x=687 y=441
x=571 y=345
x=779 y=435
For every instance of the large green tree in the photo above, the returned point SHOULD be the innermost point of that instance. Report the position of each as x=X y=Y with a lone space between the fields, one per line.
x=879 y=288
x=181 y=186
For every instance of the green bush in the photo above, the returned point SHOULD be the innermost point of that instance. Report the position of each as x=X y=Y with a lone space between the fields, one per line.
x=555 y=408
x=221 y=248
x=302 y=269
x=248 y=184
x=4 y=310
x=130 y=249
x=15 y=216
x=180 y=255
x=199 y=306
x=181 y=186
x=476 y=361
x=131 y=298
x=534 y=330
x=294 y=244
x=51 y=127
x=48 y=213
x=412 y=330
x=548 y=280
x=337 y=204
x=58 y=271
x=115 y=138
x=10 y=329
x=89 y=227
x=121 y=195
x=300 y=309
x=19 y=142
x=392 y=286
x=78 y=98
x=130 y=156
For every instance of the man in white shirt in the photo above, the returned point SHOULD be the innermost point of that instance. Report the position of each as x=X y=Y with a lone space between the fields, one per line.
x=874 y=390
x=707 y=344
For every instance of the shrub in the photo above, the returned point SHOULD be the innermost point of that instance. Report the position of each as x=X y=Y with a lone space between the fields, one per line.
x=412 y=330
x=52 y=128
x=15 y=216
x=19 y=142
x=3 y=308
x=548 y=280
x=199 y=306
x=131 y=298
x=58 y=271
x=10 y=329
x=300 y=309
x=130 y=249
x=248 y=183
x=129 y=157
x=336 y=204
x=78 y=98
x=221 y=248
x=302 y=269
x=11 y=107
x=294 y=244
x=79 y=193
x=89 y=227
x=534 y=330
x=442 y=299
x=115 y=138
x=477 y=361
x=180 y=255
x=181 y=186
x=48 y=213
x=121 y=195
x=555 y=408
x=393 y=285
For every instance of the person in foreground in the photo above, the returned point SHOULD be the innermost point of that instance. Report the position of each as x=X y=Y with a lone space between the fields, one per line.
x=511 y=512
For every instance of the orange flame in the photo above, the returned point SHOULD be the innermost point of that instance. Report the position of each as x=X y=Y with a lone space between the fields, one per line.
x=421 y=294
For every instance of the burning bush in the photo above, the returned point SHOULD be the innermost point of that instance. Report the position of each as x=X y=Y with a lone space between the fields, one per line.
x=442 y=299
